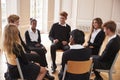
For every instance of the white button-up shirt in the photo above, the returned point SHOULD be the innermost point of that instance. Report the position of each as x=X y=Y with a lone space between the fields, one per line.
x=63 y=24
x=94 y=34
x=33 y=35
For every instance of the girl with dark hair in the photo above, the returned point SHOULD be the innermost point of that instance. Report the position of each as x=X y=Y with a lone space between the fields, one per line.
x=76 y=53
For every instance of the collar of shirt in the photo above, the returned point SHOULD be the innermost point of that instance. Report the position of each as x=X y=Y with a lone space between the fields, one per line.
x=76 y=46
x=112 y=37
x=32 y=30
x=98 y=30
x=94 y=34
x=63 y=24
x=33 y=36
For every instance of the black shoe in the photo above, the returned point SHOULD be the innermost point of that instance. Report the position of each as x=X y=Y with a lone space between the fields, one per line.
x=98 y=78
x=48 y=76
x=53 y=69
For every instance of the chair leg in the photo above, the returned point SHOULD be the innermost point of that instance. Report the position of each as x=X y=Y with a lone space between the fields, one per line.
x=110 y=75
x=64 y=72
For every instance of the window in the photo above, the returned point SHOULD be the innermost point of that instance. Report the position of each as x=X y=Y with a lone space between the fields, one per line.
x=36 y=8
x=4 y=18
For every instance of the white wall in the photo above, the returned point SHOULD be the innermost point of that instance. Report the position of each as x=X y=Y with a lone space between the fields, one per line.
x=105 y=9
x=83 y=11
x=116 y=13
x=0 y=17
x=80 y=12
x=50 y=13
x=0 y=25
x=19 y=7
x=45 y=16
x=12 y=7
x=24 y=12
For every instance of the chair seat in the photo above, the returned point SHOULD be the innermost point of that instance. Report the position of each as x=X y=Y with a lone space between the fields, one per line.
x=102 y=70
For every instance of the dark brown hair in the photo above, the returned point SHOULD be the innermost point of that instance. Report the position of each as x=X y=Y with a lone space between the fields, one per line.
x=32 y=20
x=78 y=36
x=111 y=25
x=99 y=21
x=65 y=14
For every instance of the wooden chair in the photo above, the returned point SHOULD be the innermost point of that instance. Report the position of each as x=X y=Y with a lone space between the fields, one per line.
x=19 y=70
x=77 y=67
x=111 y=70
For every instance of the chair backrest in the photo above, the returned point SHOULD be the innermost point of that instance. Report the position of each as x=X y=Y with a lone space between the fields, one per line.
x=19 y=69
x=112 y=66
x=77 y=67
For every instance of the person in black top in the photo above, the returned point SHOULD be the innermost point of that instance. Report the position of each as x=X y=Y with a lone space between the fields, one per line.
x=13 y=49
x=113 y=46
x=97 y=36
x=59 y=35
x=31 y=55
x=76 y=53
x=33 y=41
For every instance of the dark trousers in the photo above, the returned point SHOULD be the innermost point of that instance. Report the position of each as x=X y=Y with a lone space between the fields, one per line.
x=42 y=54
x=55 y=47
x=99 y=65
x=33 y=57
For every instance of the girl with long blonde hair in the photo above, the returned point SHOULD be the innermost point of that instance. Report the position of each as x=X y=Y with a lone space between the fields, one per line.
x=13 y=49
x=97 y=36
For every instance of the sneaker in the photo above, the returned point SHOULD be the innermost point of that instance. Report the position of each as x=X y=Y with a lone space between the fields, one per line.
x=53 y=69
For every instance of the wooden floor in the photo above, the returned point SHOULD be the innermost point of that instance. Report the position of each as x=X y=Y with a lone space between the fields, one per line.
x=46 y=42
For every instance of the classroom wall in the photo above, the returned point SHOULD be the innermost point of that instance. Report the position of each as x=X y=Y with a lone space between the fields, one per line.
x=81 y=12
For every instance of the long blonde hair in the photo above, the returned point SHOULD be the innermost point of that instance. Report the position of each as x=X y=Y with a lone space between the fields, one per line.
x=11 y=38
x=99 y=22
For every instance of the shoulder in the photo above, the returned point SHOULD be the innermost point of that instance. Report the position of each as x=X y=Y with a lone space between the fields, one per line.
x=26 y=32
x=114 y=43
x=68 y=52
x=102 y=32
x=38 y=30
x=17 y=47
x=68 y=25
x=117 y=39
x=55 y=24
x=87 y=52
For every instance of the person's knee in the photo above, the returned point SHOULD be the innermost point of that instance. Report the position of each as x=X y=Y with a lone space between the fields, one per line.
x=43 y=70
x=66 y=47
x=53 y=46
